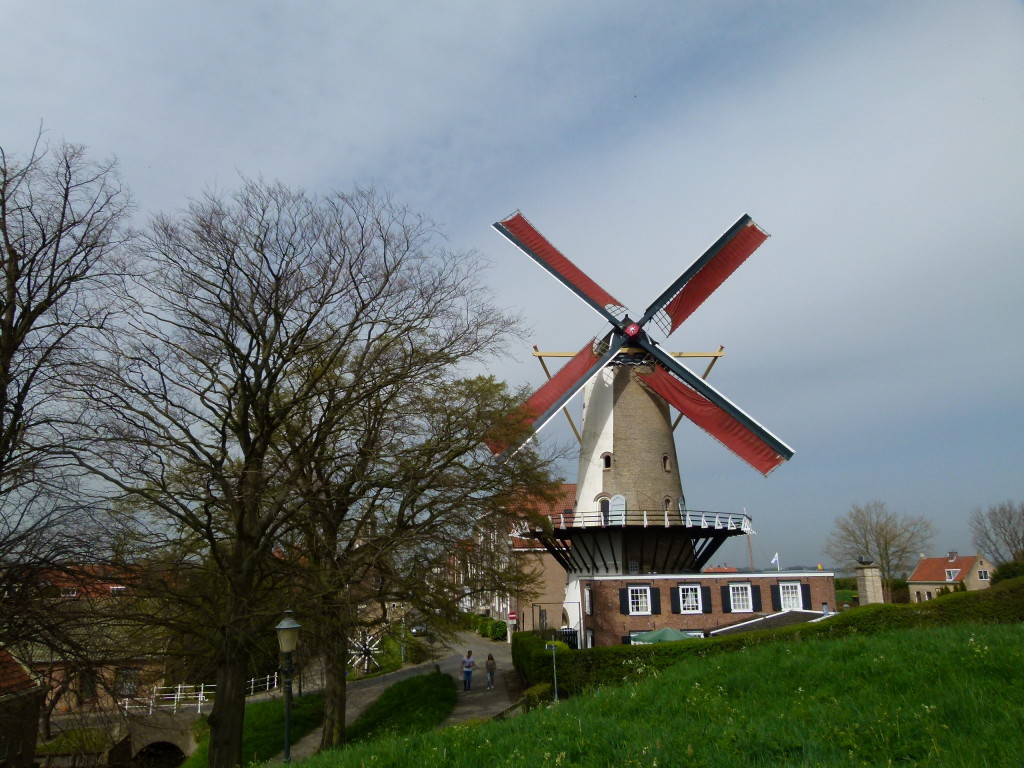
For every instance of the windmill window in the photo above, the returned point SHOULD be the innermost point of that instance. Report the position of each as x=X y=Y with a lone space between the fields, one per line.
x=605 y=506
x=665 y=463
x=606 y=461
x=789 y=594
x=689 y=598
x=668 y=504
x=639 y=601
x=739 y=598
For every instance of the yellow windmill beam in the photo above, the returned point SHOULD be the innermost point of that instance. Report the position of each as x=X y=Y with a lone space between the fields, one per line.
x=714 y=356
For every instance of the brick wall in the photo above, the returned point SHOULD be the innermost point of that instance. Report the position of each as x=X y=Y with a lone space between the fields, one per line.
x=610 y=625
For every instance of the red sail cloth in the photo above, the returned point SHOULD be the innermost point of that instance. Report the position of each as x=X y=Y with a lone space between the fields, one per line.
x=538 y=247
x=714 y=273
x=544 y=399
x=718 y=423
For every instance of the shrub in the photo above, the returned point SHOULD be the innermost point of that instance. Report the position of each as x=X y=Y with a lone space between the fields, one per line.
x=536 y=696
x=498 y=630
x=1010 y=570
x=594 y=667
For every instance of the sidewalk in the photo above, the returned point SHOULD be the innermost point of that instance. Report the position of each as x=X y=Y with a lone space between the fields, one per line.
x=478 y=704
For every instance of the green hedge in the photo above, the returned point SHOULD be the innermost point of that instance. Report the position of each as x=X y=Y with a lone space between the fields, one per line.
x=580 y=670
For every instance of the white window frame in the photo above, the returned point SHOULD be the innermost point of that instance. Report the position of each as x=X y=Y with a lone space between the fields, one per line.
x=740 y=595
x=790 y=598
x=639 y=600
x=588 y=601
x=690 y=606
x=590 y=638
x=952 y=573
x=983 y=575
x=68 y=592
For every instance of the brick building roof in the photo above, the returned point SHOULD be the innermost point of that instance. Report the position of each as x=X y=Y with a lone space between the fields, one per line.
x=560 y=510
x=934 y=568
x=14 y=677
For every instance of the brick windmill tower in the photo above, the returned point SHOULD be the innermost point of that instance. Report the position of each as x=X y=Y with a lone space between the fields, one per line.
x=631 y=525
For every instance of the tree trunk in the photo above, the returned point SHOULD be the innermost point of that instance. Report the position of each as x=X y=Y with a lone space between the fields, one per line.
x=229 y=709
x=335 y=663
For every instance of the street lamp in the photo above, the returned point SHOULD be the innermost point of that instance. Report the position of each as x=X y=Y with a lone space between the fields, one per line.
x=287 y=638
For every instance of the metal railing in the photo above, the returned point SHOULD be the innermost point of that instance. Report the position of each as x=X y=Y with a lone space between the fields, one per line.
x=185 y=697
x=733 y=521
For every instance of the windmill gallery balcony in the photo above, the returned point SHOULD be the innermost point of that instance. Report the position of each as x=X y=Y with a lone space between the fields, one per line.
x=638 y=541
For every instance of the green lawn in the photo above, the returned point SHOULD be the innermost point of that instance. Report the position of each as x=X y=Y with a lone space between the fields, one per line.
x=413 y=705
x=263 y=735
x=948 y=697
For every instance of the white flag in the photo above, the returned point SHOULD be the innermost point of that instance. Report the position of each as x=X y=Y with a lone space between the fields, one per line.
x=775 y=560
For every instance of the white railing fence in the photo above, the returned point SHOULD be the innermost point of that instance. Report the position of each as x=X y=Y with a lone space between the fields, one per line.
x=184 y=697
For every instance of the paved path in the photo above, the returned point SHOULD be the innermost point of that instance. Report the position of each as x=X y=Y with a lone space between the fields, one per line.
x=477 y=704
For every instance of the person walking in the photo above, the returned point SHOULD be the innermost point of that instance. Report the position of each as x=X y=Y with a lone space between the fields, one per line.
x=490 y=665
x=467 y=671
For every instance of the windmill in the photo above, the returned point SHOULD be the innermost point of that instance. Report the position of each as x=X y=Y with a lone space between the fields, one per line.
x=630 y=516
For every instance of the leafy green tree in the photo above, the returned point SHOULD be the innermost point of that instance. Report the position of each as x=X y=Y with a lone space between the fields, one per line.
x=407 y=507
x=1009 y=570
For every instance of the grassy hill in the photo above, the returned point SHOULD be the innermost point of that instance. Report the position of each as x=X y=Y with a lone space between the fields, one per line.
x=946 y=697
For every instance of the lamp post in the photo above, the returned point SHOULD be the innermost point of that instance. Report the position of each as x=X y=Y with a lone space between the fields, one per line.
x=554 y=668
x=287 y=639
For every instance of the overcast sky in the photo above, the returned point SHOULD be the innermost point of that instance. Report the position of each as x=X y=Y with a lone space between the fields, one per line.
x=878 y=332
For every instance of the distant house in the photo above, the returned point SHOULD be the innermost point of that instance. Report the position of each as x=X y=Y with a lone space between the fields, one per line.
x=20 y=699
x=934 y=576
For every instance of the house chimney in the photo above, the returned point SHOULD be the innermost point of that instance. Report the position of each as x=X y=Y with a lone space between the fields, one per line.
x=952 y=555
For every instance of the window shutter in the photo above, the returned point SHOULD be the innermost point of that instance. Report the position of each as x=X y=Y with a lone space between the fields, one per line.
x=705 y=599
x=624 y=601
x=656 y=600
x=776 y=597
x=674 y=592
x=805 y=596
x=726 y=600
x=755 y=598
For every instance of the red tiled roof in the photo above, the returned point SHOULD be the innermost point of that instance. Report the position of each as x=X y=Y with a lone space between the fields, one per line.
x=934 y=568
x=562 y=508
x=14 y=677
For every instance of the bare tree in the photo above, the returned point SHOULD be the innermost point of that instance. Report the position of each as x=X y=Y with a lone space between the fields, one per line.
x=63 y=226
x=892 y=540
x=999 y=531
x=258 y=323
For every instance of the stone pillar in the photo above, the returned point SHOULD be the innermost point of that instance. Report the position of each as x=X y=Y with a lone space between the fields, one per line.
x=869 y=584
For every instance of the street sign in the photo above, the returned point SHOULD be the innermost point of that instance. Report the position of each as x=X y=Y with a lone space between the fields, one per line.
x=511 y=615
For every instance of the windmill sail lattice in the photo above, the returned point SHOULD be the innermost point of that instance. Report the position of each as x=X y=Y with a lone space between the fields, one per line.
x=628 y=341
